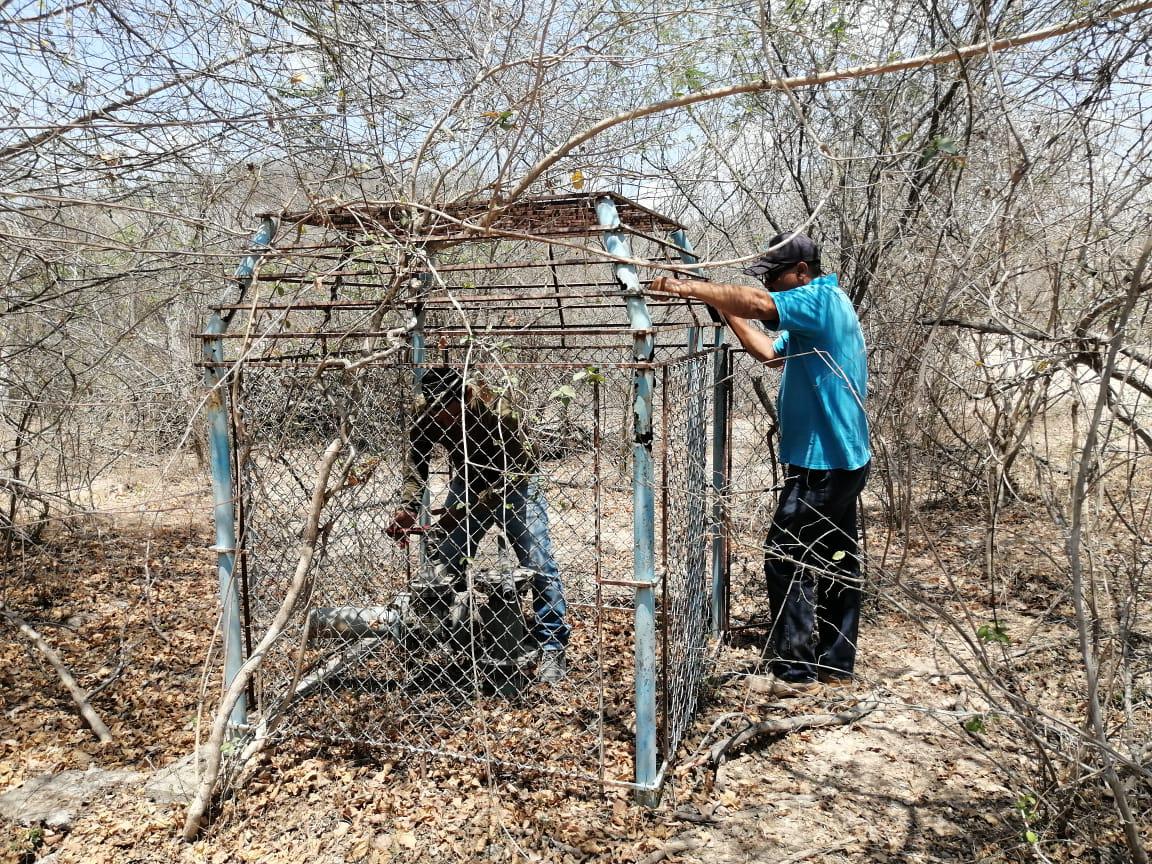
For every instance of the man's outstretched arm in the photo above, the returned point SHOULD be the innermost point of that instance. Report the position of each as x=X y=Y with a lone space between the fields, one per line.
x=742 y=301
x=414 y=477
x=740 y=305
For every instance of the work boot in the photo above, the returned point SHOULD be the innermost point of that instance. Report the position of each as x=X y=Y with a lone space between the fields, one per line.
x=552 y=666
x=781 y=689
x=832 y=681
x=794 y=689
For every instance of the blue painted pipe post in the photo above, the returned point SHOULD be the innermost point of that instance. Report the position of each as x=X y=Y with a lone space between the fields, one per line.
x=643 y=508
x=419 y=340
x=720 y=385
x=223 y=488
x=419 y=354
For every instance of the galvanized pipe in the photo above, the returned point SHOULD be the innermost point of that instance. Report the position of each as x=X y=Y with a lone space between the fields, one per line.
x=220 y=461
x=643 y=509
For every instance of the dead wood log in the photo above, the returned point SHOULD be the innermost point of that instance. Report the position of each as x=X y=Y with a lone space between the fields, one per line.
x=788 y=724
x=74 y=690
x=681 y=844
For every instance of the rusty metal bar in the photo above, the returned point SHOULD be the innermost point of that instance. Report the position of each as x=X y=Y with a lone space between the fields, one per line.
x=312 y=359
x=551 y=211
x=502 y=329
x=321 y=306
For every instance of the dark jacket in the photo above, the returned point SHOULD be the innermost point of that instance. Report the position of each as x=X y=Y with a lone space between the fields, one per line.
x=486 y=448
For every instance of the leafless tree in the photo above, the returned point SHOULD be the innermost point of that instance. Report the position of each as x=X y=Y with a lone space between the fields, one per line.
x=977 y=174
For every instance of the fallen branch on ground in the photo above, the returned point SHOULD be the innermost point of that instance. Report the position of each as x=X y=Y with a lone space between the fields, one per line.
x=685 y=844
x=706 y=816
x=75 y=690
x=812 y=853
x=789 y=724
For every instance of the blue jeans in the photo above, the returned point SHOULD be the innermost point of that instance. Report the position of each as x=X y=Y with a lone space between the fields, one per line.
x=812 y=566
x=522 y=515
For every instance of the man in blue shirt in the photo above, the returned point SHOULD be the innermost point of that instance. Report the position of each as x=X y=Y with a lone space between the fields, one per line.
x=811 y=561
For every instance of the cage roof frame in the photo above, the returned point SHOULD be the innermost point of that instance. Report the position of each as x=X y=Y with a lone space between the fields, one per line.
x=476 y=219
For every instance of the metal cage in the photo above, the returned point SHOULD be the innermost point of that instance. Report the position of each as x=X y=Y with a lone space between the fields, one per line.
x=538 y=307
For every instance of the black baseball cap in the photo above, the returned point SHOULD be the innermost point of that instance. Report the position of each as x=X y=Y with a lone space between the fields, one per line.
x=783 y=251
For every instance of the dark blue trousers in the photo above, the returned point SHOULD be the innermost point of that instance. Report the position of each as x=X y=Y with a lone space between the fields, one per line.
x=812 y=564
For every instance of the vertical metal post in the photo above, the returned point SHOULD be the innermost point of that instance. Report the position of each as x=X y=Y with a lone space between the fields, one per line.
x=419 y=349
x=220 y=461
x=643 y=509
x=418 y=355
x=721 y=382
x=694 y=340
x=721 y=388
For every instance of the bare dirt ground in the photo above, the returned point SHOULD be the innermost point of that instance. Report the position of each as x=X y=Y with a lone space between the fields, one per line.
x=130 y=607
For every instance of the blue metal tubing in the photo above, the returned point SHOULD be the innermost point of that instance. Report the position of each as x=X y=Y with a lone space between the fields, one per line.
x=720 y=387
x=643 y=507
x=220 y=461
x=419 y=354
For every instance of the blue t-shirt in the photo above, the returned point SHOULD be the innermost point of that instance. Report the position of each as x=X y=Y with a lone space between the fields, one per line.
x=821 y=402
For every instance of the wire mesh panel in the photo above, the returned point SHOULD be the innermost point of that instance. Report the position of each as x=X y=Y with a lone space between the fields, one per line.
x=472 y=585
x=754 y=487
x=686 y=538
x=394 y=653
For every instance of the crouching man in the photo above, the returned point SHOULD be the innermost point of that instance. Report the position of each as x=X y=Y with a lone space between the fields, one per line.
x=492 y=482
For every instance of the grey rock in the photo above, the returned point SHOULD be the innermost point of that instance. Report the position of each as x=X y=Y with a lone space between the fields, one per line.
x=174 y=783
x=56 y=799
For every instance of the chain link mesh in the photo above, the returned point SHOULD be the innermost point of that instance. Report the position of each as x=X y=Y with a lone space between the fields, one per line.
x=437 y=646
x=752 y=492
x=686 y=538
x=394 y=655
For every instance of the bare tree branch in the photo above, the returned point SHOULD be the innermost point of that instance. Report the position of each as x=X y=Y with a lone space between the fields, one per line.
x=298 y=588
x=784 y=84
x=74 y=690
x=106 y=111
